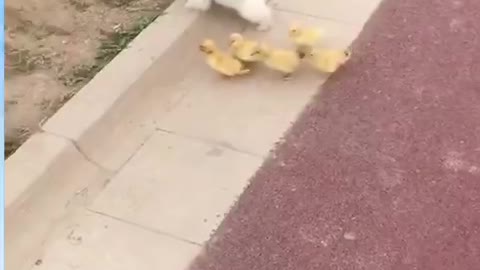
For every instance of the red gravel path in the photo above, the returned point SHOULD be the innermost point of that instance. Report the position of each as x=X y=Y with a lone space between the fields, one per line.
x=382 y=171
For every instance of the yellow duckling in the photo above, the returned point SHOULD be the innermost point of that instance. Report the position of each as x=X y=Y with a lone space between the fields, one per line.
x=328 y=60
x=221 y=62
x=304 y=38
x=243 y=48
x=285 y=61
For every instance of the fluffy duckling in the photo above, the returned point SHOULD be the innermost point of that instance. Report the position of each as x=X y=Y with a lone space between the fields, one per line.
x=285 y=61
x=304 y=38
x=243 y=48
x=221 y=62
x=328 y=60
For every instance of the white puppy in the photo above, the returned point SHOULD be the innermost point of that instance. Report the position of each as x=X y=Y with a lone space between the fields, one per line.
x=254 y=11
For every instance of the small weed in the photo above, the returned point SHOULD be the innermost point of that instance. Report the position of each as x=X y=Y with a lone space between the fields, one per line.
x=22 y=61
x=118 y=40
x=19 y=61
x=79 y=5
x=117 y=3
x=11 y=147
x=12 y=144
x=79 y=74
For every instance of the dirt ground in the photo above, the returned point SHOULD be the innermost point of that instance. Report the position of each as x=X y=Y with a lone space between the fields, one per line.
x=54 y=47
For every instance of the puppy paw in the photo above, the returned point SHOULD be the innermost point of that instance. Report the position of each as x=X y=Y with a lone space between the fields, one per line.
x=201 y=5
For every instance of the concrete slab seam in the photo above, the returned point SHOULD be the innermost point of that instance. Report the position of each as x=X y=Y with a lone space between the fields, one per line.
x=79 y=150
x=225 y=145
x=142 y=227
x=46 y=163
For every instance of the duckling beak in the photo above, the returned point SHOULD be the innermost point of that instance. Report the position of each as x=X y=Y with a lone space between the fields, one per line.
x=202 y=48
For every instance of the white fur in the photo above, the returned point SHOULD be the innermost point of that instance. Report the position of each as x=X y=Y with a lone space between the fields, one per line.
x=254 y=11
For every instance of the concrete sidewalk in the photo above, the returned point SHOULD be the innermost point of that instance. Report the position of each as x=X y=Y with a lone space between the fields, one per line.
x=166 y=161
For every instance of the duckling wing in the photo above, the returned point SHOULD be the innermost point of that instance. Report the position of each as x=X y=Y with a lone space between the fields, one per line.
x=285 y=61
x=309 y=37
x=247 y=50
x=230 y=66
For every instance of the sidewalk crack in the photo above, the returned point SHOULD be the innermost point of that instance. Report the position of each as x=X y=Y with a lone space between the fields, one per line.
x=146 y=228
x=222 y=144
x=79 y=150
